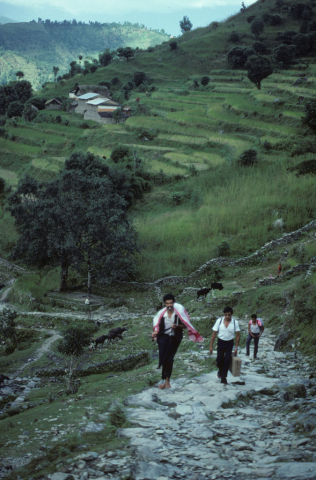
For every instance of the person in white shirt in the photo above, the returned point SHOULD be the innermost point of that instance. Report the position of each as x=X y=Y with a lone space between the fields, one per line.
x=226 y=327
x=255 y=330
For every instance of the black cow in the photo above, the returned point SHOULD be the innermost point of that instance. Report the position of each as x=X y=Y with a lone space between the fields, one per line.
x=3 y=378
x=203 y=292
x=217 y=286
x=100 y=340
x=117 y=331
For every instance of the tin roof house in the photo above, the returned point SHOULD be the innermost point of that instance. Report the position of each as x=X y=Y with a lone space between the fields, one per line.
x=100 y=110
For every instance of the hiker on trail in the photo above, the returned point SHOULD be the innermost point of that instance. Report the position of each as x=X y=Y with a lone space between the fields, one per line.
x=255 y=330
x=168 y=325
x=226 y=327
x=279 y=269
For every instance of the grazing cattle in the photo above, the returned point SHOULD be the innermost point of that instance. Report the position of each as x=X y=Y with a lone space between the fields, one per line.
x=117 y=331
x=100 y=340
x=203 y=292
x=3 y=378
x=217 y=286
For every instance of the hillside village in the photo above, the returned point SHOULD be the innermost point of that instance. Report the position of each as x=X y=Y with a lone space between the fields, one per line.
x=216 y=180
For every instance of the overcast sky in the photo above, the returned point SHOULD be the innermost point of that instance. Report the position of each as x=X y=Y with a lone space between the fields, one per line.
x=153 y=13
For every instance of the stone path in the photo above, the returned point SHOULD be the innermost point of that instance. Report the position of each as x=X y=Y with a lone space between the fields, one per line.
x=262 y=425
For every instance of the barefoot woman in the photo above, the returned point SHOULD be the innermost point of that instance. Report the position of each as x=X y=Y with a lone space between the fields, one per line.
x=169 y=324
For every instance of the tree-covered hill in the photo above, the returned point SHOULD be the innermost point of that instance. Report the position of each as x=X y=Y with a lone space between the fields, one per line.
x=35 y=47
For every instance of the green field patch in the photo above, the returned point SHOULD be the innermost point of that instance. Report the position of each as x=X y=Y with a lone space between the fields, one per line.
x=18 y=148
x=292 y=114
x=183 y=139
x=238 y=145
x=155 y=165
x=47 y=164
x=101 y=152
x=10 y=177
x=211 y=158
x=187 y=160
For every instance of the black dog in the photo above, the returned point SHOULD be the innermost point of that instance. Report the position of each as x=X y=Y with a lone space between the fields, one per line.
x=203 y=292
x=217 y=286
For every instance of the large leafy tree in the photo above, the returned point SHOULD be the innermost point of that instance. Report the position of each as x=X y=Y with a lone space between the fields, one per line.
x=125 y=52
x=78 y=220
x=258 y=68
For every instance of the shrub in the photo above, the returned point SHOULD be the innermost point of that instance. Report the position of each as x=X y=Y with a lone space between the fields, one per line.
x=104 y=83
x=2 y=185
x=307 y=167
x=139 y=78
x=272 y=20
x=250 y=18
x=257 y=27
x=284 y=54
x=248 y=157
x=93 y=68
x=260 y=47
x=119 y=153
x=15 y=109
x=115 y=81
x=310 y=115
x=286 y=37
x=205 y=80
x=173 y=45
x=117 y=415
x=150 y=49
x=58 y=119
x=234 y=37
x=301 y=43
x=258 y=68
x=301 y=10
x=237 y=56
x=3 y=133
x=223 y=249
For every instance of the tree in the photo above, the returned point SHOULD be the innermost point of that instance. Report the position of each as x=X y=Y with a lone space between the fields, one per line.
x=77 y=220
x=260 y=48
x=237 y=56
x=185 y=24
x=29 y=112
x=284 y=54
x=258 y=68
x=234 y=37
x=205 y=80
x=117 y=115
x=173 y=45
x=8 y=328
x=55 y=72
x=248 y=157
x=125 y=52
x=15 y=109
x=105 y=58
x=139 y=78
x=310 y=115
x=119 y=153
x=257 y=27
x=74 y=341
x=19 y=74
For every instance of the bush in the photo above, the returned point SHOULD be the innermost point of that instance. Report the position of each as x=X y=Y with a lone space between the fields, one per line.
x=93 y=68
x=173 y=45
x=237 y=56
x=223 y=249
x=248 y=158
x=234 y=37
x=119 y=153
x=257 y=27
x=15 y=109
x=287 y=36
x=260 y=47
x=104 y=83
x=301 y=43
x=117 y=415
x=3 y=133
x=205 y=80
x=2 y=185
x=310 y=115
x=301 y=10
x=308 y=167
x=272 y=20
x=284 y=54
x=250 y=18
x=115 y=81
x=139 y=78
x=150 y=49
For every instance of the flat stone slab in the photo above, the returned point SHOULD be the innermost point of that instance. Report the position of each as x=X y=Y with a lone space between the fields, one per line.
x=297 y=470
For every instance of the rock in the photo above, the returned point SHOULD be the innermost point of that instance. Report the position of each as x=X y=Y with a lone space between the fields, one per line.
x=92 y=427
x=61 y=476
x=282 y=341
x=297 y=471
x=184 y=409
x=87 y=457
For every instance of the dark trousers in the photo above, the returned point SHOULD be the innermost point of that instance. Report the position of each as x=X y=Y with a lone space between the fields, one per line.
x=256 y=342
x=168 y=346
x=224 y=353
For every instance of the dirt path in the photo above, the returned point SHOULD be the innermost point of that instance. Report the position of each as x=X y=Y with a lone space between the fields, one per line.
x=44 y=348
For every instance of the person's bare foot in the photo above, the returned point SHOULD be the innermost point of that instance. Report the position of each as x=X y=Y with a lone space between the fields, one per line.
x=161 y=386
x=168 y=386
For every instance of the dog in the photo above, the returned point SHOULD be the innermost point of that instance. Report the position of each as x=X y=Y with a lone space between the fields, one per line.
x=217 y=286
x=203 y=292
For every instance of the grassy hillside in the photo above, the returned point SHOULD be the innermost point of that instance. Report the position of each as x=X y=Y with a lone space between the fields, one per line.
x=190 y=138
x=35 y=48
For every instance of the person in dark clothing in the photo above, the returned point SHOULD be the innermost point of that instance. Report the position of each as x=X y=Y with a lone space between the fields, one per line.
x=255 y=330
x=169 y=324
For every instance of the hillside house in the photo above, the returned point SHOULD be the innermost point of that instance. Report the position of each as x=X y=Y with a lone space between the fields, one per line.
x=100 y=110
x=83 y=89
x=82 y=101
x=53 y=104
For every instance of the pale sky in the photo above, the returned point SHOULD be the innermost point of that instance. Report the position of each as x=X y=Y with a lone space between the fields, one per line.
x=164 y=14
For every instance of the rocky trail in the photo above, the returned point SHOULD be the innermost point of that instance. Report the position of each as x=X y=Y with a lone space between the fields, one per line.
x=260 y=426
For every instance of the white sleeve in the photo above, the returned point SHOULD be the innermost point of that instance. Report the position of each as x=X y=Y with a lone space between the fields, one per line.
x=237 y=329
x=216 y=325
